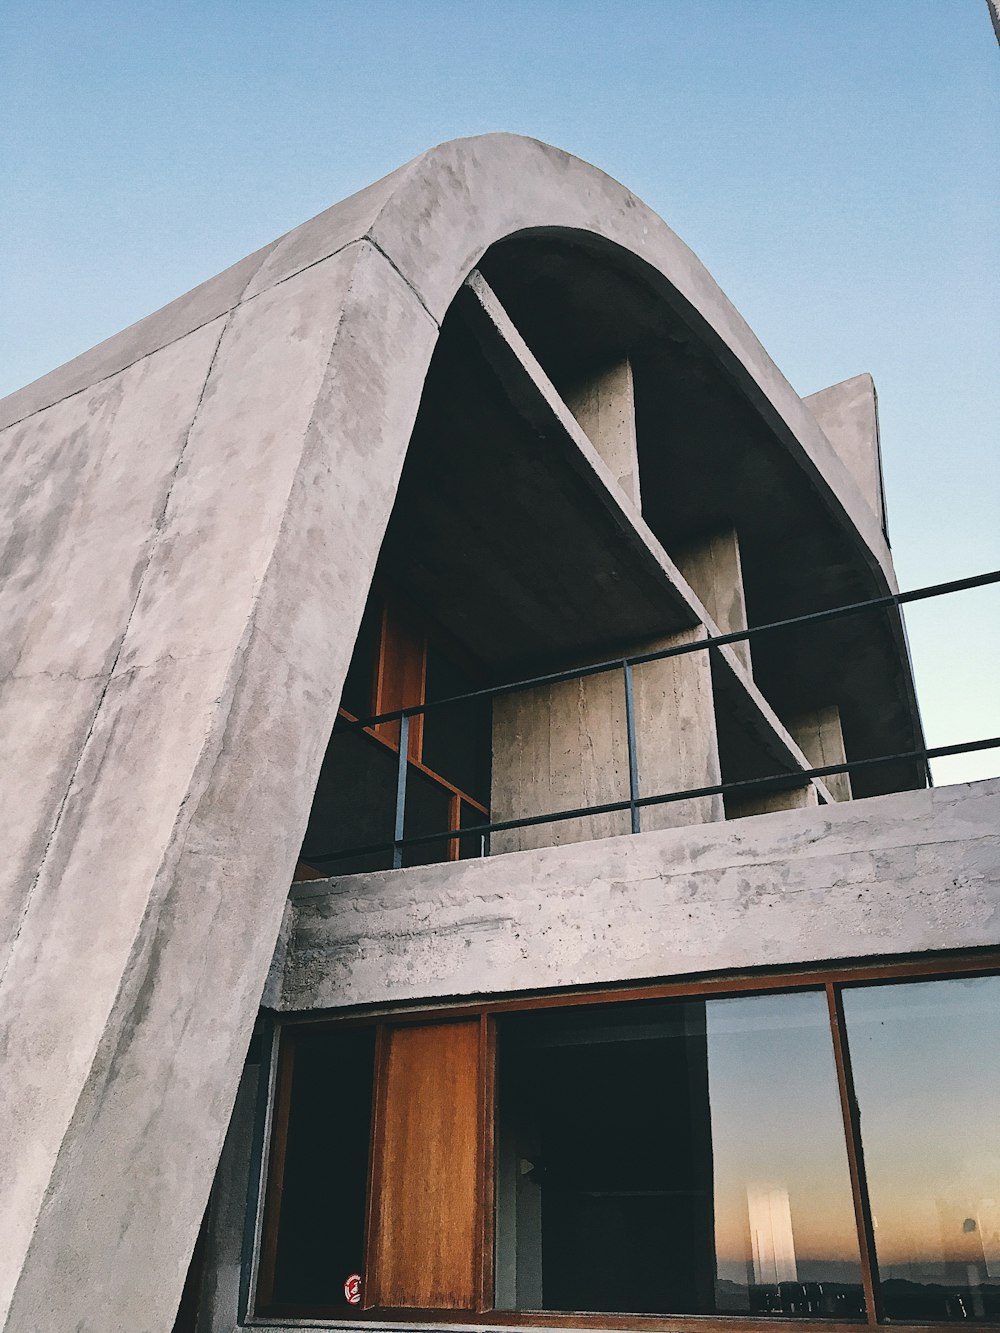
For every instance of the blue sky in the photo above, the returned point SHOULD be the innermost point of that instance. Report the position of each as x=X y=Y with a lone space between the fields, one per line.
x=835 y=163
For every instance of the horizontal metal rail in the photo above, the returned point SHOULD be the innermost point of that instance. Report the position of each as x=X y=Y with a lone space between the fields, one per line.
x=677 y=650
x=775 y=780
x=635 y=802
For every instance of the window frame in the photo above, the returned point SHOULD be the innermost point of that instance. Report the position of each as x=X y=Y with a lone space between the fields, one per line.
x=831 y=979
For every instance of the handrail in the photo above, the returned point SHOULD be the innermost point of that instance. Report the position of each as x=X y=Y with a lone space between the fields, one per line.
x=677 y=650
x=635 y=803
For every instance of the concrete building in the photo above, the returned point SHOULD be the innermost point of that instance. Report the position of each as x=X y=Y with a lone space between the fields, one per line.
x=729 y=1058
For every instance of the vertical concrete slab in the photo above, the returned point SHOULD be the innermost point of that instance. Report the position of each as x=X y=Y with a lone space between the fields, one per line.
x=714 y=570
x=676 y=739
x=557 y=748
x=821 y=739
x=604 y=408
x=565 y=746
x=847 y=414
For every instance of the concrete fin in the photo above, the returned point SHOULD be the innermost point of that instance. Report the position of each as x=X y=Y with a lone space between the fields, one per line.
x=847 y=414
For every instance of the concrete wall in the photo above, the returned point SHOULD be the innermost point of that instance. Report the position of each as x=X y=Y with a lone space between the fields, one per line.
x=179 y=646
x=880 y=878
x=564 y=746
x=889 y=875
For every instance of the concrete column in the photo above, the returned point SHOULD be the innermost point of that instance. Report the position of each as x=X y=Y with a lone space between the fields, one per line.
x=712 y=567
x=820 y=737
x=604 y=407
x=563 y=746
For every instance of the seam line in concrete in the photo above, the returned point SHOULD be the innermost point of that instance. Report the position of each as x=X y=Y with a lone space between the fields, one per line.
x=158 y=528
x=395 y=267
x=242 y=299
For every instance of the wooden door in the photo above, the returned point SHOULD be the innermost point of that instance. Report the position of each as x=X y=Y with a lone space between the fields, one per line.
x=424 y=1232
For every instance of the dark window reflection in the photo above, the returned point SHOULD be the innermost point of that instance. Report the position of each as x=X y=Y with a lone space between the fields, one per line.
x=677 y=1157
x=926 y=1060
x=320 y=1238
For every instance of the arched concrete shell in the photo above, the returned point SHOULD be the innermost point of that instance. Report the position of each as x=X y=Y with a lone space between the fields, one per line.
x=191 y=516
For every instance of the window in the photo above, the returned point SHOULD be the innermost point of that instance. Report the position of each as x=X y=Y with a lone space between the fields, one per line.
x=927 y=1073
x=820 y=1148
x=685 y=1157
x=400 y=661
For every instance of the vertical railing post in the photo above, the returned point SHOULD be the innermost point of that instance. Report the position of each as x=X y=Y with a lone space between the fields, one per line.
x=633 y=761
x=404 y=748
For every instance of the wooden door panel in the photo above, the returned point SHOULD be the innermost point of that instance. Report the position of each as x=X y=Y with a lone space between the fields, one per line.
x=425 y=1185
x=402 y=676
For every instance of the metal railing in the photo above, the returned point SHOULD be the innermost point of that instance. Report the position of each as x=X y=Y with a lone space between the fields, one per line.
x=635 y=802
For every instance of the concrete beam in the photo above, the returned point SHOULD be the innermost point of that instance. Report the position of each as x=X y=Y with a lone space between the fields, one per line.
x=793 y=798
x=536 y=396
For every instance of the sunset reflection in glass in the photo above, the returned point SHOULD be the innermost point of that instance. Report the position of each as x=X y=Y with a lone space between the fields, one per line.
x=683 y=1156
x=926 y=1060
x=785 y=1234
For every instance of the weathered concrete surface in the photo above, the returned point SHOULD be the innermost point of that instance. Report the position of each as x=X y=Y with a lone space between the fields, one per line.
x=219 y=1307
x=560 y=747
x=71 y=527
x=821 y=737
x=605 y=410
x=891 y=875
x=713 y=569
x=848 y=416
x=143 y=946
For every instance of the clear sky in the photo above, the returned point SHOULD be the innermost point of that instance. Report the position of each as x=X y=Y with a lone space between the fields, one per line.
x=835 y=164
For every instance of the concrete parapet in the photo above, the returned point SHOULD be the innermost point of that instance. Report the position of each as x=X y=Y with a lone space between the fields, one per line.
x=887 y=876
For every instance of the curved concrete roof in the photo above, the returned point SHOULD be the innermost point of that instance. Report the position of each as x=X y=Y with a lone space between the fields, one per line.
x=433 y=219
x=191 y=515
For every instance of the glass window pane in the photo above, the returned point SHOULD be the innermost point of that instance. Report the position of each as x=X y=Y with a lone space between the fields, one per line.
x=675 y=1157
x=320 y=1240
x=785 y=1231
x=926 y=1061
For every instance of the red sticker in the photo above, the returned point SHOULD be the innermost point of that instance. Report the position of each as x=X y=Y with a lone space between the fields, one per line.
x=352 y=1289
